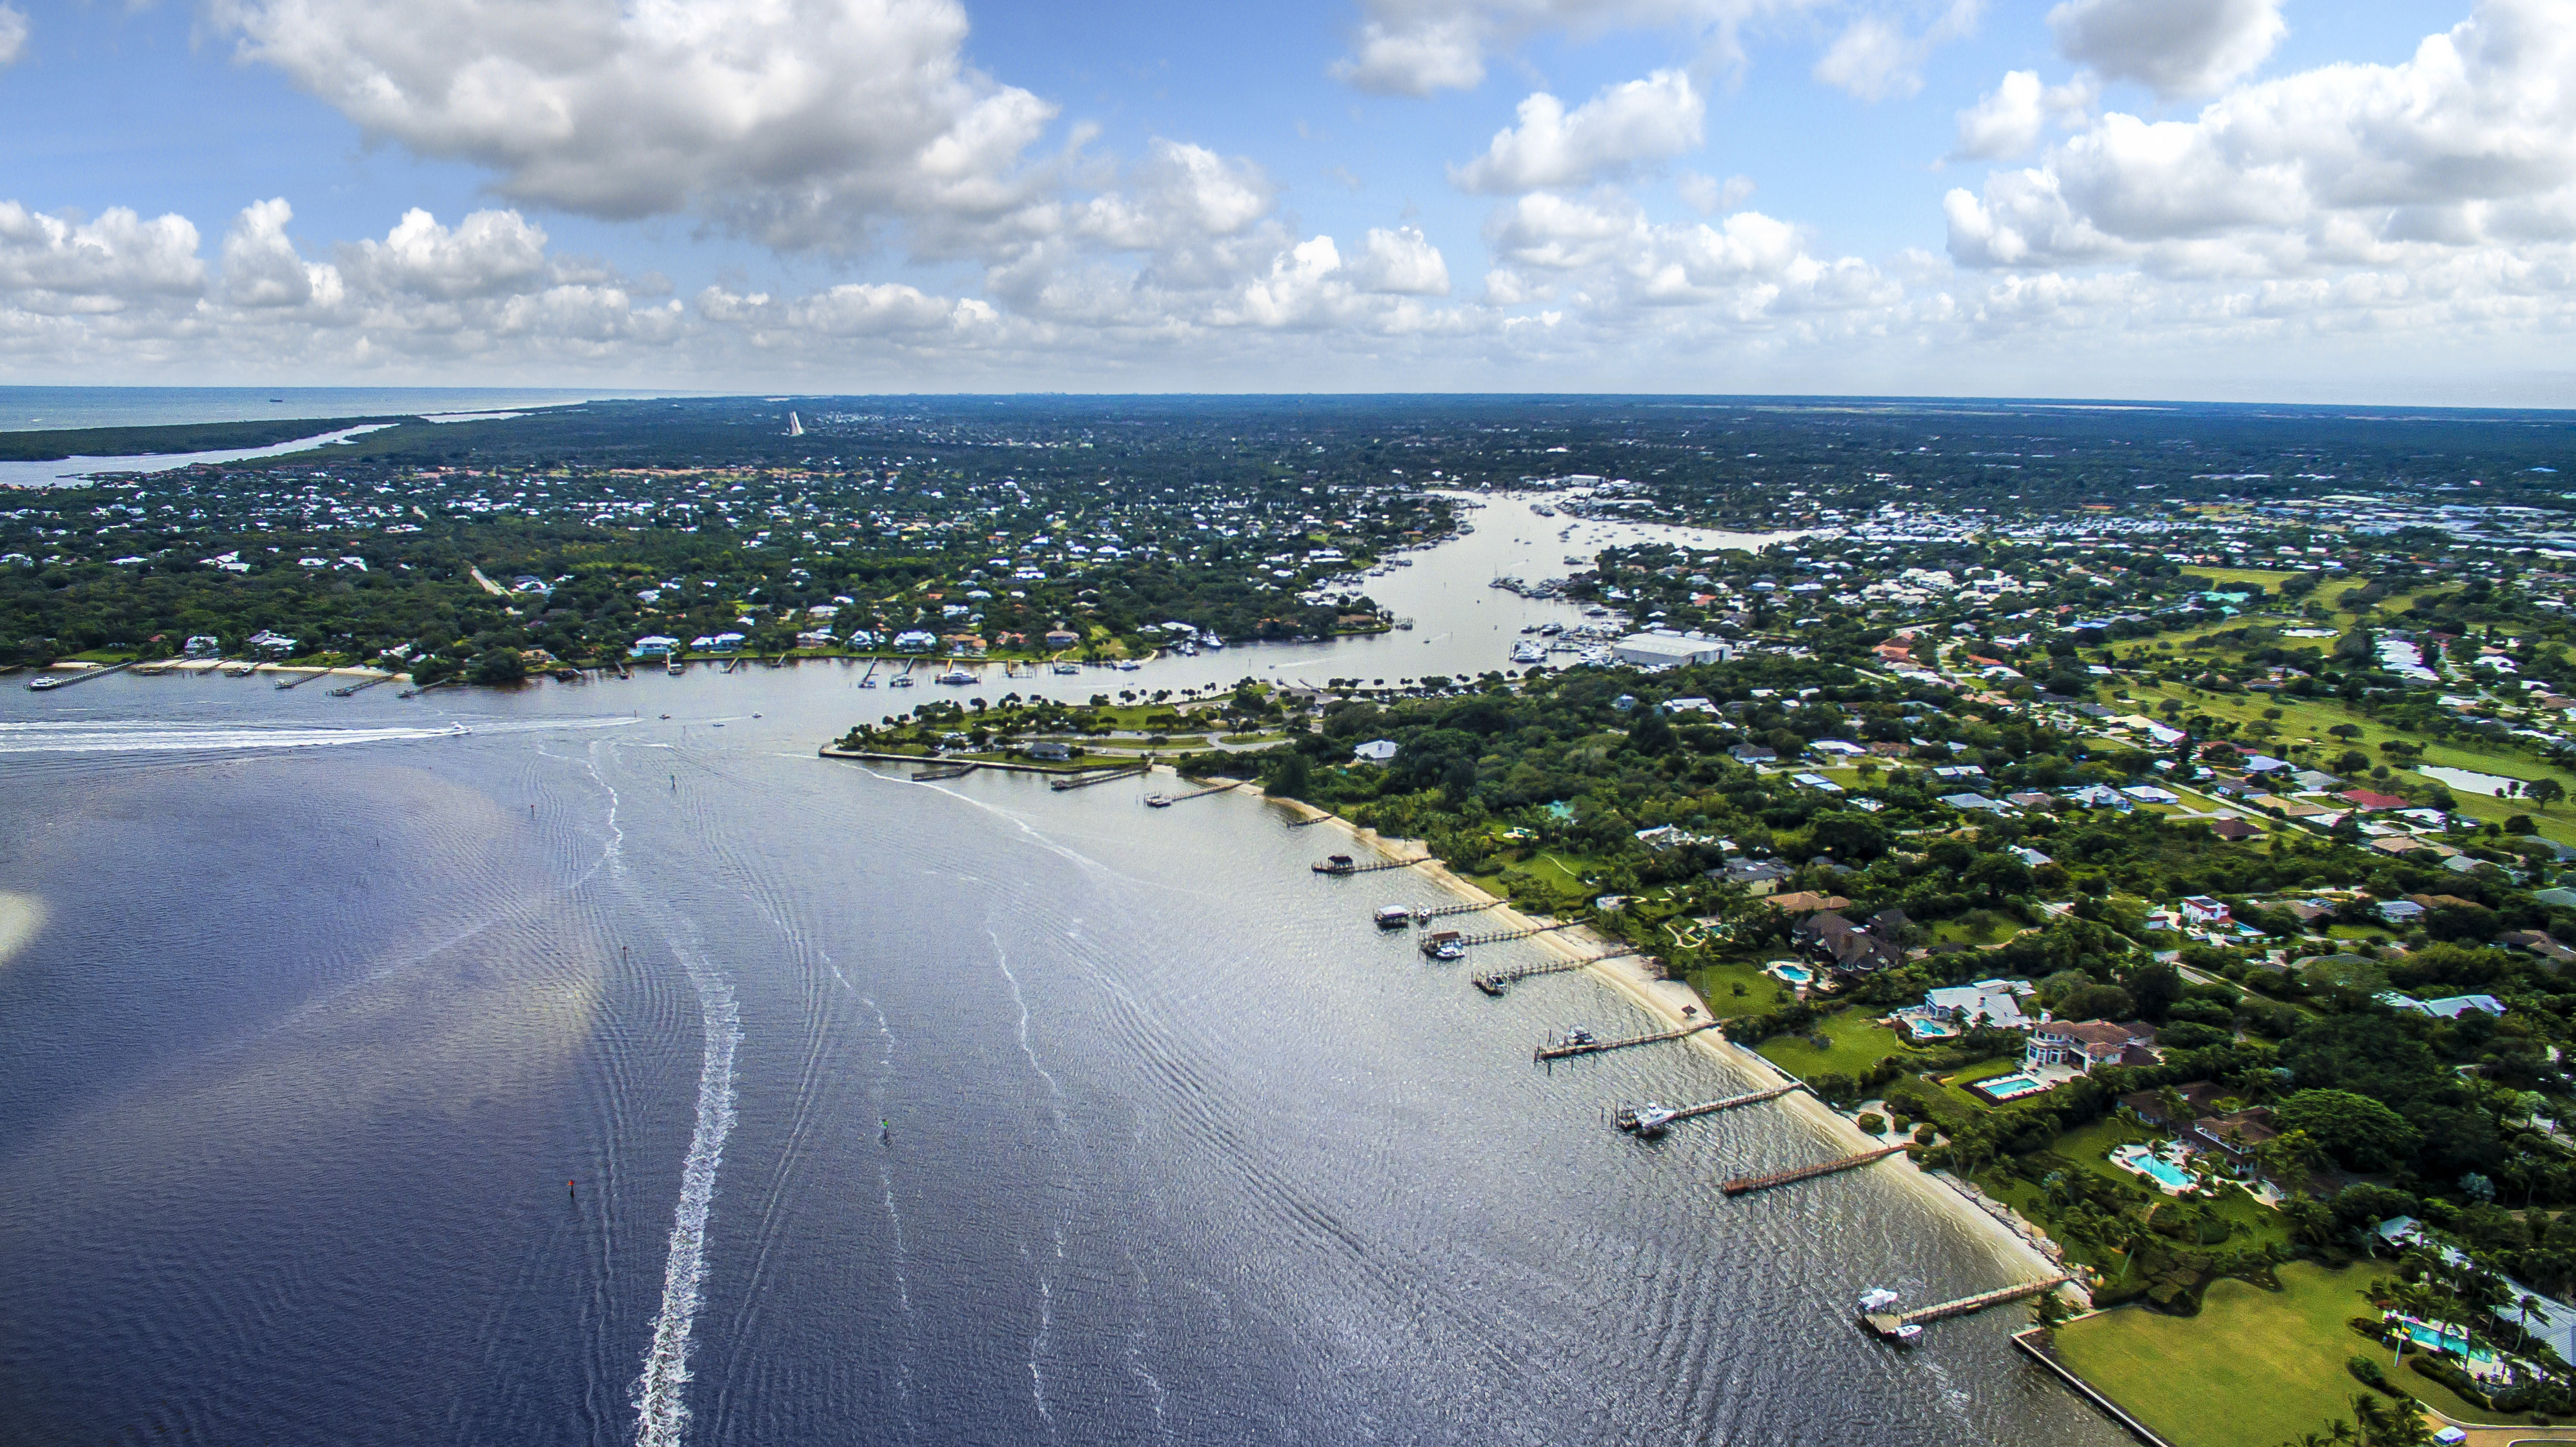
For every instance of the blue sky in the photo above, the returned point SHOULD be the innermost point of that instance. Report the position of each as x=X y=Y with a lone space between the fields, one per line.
x=2227 y=198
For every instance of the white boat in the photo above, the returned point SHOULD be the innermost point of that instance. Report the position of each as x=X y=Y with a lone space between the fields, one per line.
x=1528 y=653
x=1876 y=1299
x=900 y=680
x=1068 y=668
x=956 y=676
x=1212 y=642
x=1128 y=665
x=1653 y=1116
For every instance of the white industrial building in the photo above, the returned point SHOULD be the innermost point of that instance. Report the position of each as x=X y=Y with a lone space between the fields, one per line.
x=1664 y=648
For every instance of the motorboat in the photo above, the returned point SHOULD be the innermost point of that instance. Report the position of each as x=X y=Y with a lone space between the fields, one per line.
x=1528 y=653
x=1580 y=1036
x=1650 y=1118
x=1158 y=801
x=1128 y=665
x=1876 y=1299
x=901 y=680
x=1393 y=916
x=1213 y=643
x=1068 y=669
x=956 y=676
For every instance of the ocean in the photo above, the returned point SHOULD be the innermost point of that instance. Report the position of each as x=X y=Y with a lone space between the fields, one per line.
x=51 y=409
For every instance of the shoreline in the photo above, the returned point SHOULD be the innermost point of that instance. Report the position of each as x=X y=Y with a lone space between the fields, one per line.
x=1664 y=1000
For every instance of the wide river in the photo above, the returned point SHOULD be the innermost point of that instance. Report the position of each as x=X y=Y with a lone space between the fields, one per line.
x=595 y=1077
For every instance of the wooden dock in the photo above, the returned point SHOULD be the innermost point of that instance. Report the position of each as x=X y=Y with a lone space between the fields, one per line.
x=1344 y=864
x=1745 y=1185
x=346 y=689
x=1106 y=776
x=1495 y=983
x=1165 y=801
x=1886 y=1323
x=1443 y=911
x=944 y=771
x=1495 y=937
x=1562 y=1050
x=1308 y=823
x=1625 y=1117
x=47 y=682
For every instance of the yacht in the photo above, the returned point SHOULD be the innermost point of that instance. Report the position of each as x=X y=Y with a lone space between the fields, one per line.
x=1526 y=652
x=956 y=677
x=1651 y=1117
x=1213 y=643
x=1876 y=1299
x=1580 y=1036
x=1127 y=665
x=1068 y=668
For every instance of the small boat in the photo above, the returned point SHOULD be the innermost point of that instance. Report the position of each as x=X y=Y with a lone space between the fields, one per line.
x=956 y=676
x=567 y=675
x=1068 y=669
x=867 y=683
x=673 y=666
x=1393 y=916
x=1444 y=945
x=1128 y=665
x=1212 y=642
x=1491 y=985
x=458 y=731
x=666 y=715
x=1905 y=1332
x=1876 y=1299
x=1580 y=1036
x=1158 y=801
x=901 y=680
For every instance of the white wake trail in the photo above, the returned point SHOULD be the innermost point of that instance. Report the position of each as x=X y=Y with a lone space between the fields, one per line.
x=661 y=1396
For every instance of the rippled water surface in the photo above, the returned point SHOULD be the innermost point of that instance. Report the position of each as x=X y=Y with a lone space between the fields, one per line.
x=943 y=1113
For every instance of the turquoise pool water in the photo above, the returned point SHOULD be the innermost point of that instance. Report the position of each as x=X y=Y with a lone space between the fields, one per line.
x=1794 y=974
x=2011 y=1087
x=2433 y=1338
x=2163 y=1172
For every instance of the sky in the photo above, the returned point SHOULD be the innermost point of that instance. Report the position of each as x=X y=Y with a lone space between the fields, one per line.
x=2236 y=200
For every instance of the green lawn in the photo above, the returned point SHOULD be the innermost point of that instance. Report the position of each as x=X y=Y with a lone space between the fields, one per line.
x=1716 y=984
x=1859 y=1042
x=2254 y=1369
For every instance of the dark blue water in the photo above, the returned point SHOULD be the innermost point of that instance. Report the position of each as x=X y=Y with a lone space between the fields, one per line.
x=1176 y=1146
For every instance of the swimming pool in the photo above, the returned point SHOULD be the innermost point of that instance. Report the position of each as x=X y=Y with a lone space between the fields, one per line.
x=2442 y=1336
x=2154 y=1167
x=2011 y=1087
x=1794 y=974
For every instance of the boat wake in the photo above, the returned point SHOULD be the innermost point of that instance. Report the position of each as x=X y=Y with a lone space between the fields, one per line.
x=661 y=1400
x=141 y=736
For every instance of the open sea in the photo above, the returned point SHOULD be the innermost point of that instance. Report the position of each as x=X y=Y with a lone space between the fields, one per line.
x=50 y=409
x=595 y=1076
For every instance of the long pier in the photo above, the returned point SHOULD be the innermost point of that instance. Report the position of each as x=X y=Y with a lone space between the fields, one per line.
x=1495 y=937
x=1888 y=1323
x=1495 y=983
x=1165 y=801
x=1567 y=1049
x=1343 y=864
x=1626 y=1118
x=1744 y=1185
x=1442 y=911
x=944 y=771
x=346 y=689
x=1308 y=823
x=1106 y=776
x=46 y=682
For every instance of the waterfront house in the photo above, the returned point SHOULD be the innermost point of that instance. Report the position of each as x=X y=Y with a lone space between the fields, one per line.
x=1948 y=1011
x=1758 y=876
x=1848 y=947
x=1062 y=637
x=2081 y=1045
x=2200 y=909
x=204 y=645
x=1375 y=751
x=1050 y=750
x=2199 y=1098
x=272 y=645
x=652 y=645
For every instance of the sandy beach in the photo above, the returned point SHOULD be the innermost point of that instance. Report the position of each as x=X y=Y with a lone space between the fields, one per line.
x=1666 y=1000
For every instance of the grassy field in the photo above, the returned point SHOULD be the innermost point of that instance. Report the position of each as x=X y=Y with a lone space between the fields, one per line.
x=1859 y=1042
x=2254 y=1369
x=1716 y=984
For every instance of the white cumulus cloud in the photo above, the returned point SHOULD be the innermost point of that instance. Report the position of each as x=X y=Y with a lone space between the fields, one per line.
x=1416 y=47
x=1638 y=121
x=2180 y=48
x=804 y=123
x=2009 y=120
x=1875 y=58
x=13 y=34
